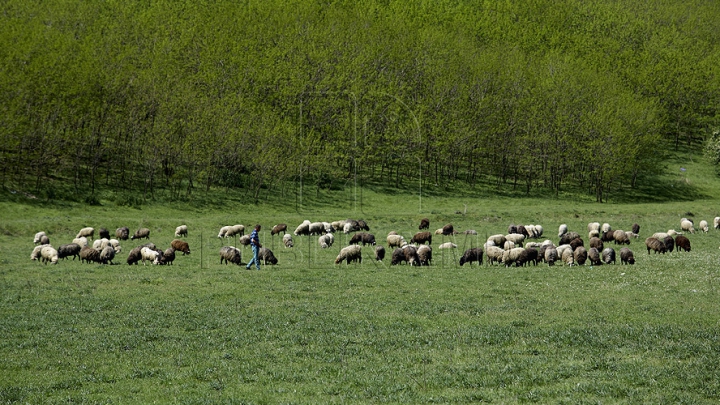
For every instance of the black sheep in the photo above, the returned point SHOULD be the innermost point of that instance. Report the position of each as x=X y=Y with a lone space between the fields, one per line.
x=472 y=255
x=682 y=242
x=424 y=224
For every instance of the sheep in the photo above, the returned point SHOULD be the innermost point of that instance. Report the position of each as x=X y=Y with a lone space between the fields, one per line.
x=515 y=238
x=234 y=230
x=396 y=241
x=49 y=254
x=522 y=258
x=562 y=248
x=551 y=255
x=539 y=231
x=568 y=258
x=447 y=245
x=230 y=254
x=594 y=234
x=303 y=228
x=411 y=255
x=655 y=244
x=621 y=238
x=88 y=254
x=267 y=256
x=379 y=252
x=607 y=236
x=278 y=229
x=594 y=257
x=509 y=245
x=338 y=225
x=512 y=228
x=181 y=246
x=134 y=255
x=38 y=235
x=397 y=256
x=575 y=243
x=533 y=255
x=150 y=255
x=316 y=228
x=472 y=255
x=605 y=228
x=36 y=252
x=716 y=223
x=682 y=242
x=447 y=230
x=626 y=256
x=328 y=227
x=421 y=237
x=115 y=244
x=424 y=253
x=103 y=233
x=608 y=255
x=223 y=231
x=350 y=254
x=535 y=245
x=687 y=226
x=562 y=230
x=86 y=232
x=141 y=233
x=580 y=255
x=531 y=230
x=100 y=244
x=631 y=235
x=362 y=237
x=363 y=225
x=327 y=240
x=149 y=245
x=351 y=225
x=542 y=249
x=703 y=226
x=494 y=254
x=635 y=228
x=568 y=236
x=244 y=240
x=169 y=255
x=288 y=240
x=593 y=226
x=107 y=255
x=181 y=231
x=498 y=240
x=669 y=243
x=470 y=232
x=122 y=233
x=424 y=224
x=438 y=231
x=44 y=240
x=71 y=249
x=511 y=256
x=521 y=230
x=660 y=235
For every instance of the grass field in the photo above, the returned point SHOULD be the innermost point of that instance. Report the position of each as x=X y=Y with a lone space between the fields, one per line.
x=309 y=331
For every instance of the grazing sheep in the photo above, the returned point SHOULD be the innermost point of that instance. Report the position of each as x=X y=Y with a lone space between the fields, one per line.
x=631 y=235
x=523 y=231
x=424 y=253
x=181 y=231
x=551 y=255
x=316 y=228
x=234 y=230
x=395 y=241
x=363 y=225
x=621 y=238
x=509 y=245
x=682 y=242
x=593 y=226
x=104 y=233
x=568 y=258
x=277 y=229
x=230 y=254
x=362 y=237
x=515 y=238
x=562 y=248
x=303 y=229
x=494 y=254
x=447 y=245
x=288 y=240
x=115 y=244
x=134 y=255
x=635 y=228
x=36 y=252
x=539 y=231
x=575 y=243
x=327 y=240
x=607 y=236
x=511 y=256
x=169 y=255
x=605 y=228
x=660 y=235
x=397 y=256
x=379 y=252
x=533 y=255
x=703 y=226
x=580 y=255
x=181 y=245
x=542 y=249
x=498 y=240
x=38 y=235
x=673 y=232
x=687 y=226
x=244 y=240
x=608 y=255
x=421 y=237
x=328 y=227
x=107 y=255
x=49 y=254
x=141 y=233
x=535 y=245
x=470 y=232
x=626 y=256
x=100 y=244
x=669 y=243
x=594 y=234
x=472 y=255
x=411 y=255
x=447 y=230
x=350 y=254
x=568 y=236
x=71 y=249
x=122 y=233
x=86 y=232
x=655 y=244
x=267 y=256
x=424 y=224
x=594 y=257
x=149 y=245
x=223 y=231
x=562 y=230
x=44 y=240
x=151 y=255
x=522 y=258
x=88 y=254
x=716 y=223
x=512 y=228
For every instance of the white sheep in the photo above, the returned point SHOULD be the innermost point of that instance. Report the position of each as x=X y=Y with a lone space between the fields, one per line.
x=439 y=231
x=49 y=254
x=447 y=245
x=703 y=226
x=494 y=254
x=82 y=241
x=605 y=228
x=38 y=236
x=631 y=235
x=687 y=226
x=150 y=255
x=498 y=240
x=567 y=257
x=326 y=240
x=561 y=249
x=223 y=231
x=235 y=230
x=36 y=252
x=115 y=245
x=511 y=256
x=303 y=228
x=338 y=225
x=87 y=232
x=660 y=235
x=349 y=254
x=100 y=244
x=107 y=255
x=594 y=226
x=316 y=228
x=562 y=230
x=716 y=222
x=328 y=227
x=673 y=232
x=515 y=238
x=594 y=234
x=181 y=230
x=509 y=245
x=288 y=240
x=396 y=241
x=244 y=240
x=551 y=255
x=539 y=231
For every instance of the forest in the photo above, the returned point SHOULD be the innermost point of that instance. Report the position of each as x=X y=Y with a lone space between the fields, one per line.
x=160 y=97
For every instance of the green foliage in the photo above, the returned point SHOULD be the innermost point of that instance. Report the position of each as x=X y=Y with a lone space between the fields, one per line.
x=712 y=148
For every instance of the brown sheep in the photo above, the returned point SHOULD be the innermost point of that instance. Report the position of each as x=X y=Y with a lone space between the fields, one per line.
x=596 y=243
x=140 y=234
x=575 y=243
x=278 y=229
x=567 y=237
x=580 y=255
x=134 y=257
x=626 y=256
x=122 y=233
x=655 y=244
x=447 y=230
x=594 y=257
x=424 y=224
x=608 y=236
x=362 y=237
x=71 y=249
x=88 y=254
x=267 y=256
x=379 y=253
x=682 y=242
x=635 y=229
x=472 y=255
x=621 y=238
x=181 y=246
x=169 y=255
x=421 y=237
x=230 y=254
